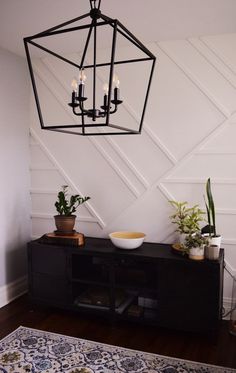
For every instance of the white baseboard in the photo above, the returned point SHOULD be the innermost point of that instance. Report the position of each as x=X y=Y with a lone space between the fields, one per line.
x=13 y=290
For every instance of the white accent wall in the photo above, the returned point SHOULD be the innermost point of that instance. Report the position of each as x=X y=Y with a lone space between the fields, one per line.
x=15 y=178
x=189 y=135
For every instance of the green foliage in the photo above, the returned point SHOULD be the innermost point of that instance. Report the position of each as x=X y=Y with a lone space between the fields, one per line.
x=210 y=207
x=186 y=218
x=195 y=240
x=67 y=206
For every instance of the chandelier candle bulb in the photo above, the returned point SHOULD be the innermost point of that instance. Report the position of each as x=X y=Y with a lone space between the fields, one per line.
x=116 y=81
x=105 y=88
x=74 y=85
x=82 y=76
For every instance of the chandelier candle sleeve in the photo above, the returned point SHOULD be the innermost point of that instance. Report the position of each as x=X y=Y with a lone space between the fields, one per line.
x=82 y=79
x=105 y=99
x=117 y=88
x=74 y=86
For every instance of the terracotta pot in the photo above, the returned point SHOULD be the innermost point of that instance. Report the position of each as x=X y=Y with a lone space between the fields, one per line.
x=65 y=224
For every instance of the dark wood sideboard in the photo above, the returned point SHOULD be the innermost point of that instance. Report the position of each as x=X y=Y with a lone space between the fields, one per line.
x=150 y=284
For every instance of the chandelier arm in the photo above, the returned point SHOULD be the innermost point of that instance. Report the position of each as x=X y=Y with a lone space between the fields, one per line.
x=63 y=31
x=106 y=18
x=94 y=67
x=144 y=49
x=114 y=110
x=111 y=69
x=74 y=112
x=83 y=126
x=127 y=34
x=147 y=94
x=53 y=53
x=83 y=111
x=128 y=131
x=61 y=25
x=134 y=42
x=86 y=45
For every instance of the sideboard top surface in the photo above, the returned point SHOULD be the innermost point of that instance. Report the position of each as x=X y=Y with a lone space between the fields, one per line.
x=103 y=246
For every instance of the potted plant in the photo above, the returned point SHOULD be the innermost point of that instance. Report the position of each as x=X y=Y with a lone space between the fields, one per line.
x=65 y=206
x=210 y=229
x=195 y=245
x=186 y=218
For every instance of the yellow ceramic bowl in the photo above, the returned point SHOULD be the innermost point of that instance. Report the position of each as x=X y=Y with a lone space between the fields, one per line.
x=127 y=240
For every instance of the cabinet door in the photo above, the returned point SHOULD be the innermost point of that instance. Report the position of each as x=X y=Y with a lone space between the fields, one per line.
x=189 y=295
x=49 y=260
x=49 y=290
x=48 y=274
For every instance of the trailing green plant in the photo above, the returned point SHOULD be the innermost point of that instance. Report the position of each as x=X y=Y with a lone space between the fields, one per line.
x=186 y=218
x=195 y=240
x=210 y=208
x=67 y=206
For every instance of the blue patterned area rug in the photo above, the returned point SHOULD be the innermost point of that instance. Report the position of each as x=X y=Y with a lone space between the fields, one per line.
x=34 y=351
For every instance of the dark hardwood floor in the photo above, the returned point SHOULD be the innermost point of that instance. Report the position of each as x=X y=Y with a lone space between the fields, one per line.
x=219 y=349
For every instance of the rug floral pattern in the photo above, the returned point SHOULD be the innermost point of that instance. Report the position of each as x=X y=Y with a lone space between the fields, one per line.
x=34 y=351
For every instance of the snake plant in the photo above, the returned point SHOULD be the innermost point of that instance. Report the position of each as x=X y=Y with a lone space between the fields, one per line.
x=210 y=208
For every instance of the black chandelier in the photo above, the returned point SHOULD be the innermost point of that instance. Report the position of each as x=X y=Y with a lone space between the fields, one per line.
x=91 y=117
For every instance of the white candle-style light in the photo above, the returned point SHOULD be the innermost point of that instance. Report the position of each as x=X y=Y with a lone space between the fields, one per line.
x=82 y=76
x=74 y=85
x=116 y=81
x=105 y=88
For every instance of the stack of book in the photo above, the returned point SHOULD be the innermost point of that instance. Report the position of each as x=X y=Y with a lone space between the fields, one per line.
x=99 y=298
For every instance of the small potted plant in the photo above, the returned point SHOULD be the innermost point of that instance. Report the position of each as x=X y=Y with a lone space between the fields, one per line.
x=66 y=207
x=195 y=245
x=186 y=218
x=210 y=230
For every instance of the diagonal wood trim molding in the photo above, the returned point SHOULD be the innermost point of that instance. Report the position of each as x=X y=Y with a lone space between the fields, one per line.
x=66 y=177
x=195 y=81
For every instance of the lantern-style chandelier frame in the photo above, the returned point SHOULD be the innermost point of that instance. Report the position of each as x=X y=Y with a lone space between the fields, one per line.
x=111 y=99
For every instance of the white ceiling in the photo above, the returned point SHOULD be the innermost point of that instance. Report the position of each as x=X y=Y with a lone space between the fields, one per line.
x=149 y=20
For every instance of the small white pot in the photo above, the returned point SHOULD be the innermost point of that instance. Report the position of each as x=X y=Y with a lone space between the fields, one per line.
x=215 y=241
x=196 y=253
x=212 y=252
